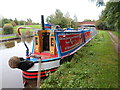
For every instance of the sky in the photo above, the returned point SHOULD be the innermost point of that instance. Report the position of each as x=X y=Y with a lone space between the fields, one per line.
x=23 y=9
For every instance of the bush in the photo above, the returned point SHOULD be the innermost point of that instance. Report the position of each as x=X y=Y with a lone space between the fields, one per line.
x=13 y=23
x=8 y=29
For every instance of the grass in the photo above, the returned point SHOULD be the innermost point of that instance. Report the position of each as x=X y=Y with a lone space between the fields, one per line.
x=22 y=30
x=116 y=33
x=93 y=66
x=7 y=37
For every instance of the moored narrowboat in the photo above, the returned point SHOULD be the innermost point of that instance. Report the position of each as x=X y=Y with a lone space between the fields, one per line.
x=50 y=47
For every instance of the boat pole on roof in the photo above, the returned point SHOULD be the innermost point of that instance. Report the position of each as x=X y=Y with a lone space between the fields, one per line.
x=42 y=22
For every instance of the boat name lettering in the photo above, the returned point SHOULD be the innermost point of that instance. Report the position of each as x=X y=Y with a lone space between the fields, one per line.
x=71 y=46
x=68 y=38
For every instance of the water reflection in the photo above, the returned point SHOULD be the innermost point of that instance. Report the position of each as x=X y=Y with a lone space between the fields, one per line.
x=9 y=44
x=18 y=40
x=28 y=40
x=12 y=78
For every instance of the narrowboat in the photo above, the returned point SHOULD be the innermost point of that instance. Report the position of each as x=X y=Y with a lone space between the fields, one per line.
x=50 y=47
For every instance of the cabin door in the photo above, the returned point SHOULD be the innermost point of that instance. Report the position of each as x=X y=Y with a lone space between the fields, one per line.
x=46 y=41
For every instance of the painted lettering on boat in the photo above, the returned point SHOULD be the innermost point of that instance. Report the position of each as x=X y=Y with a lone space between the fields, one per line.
x=68 y=42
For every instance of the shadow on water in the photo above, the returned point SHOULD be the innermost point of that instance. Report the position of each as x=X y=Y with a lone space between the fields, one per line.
x=18 y=40
x=12 y=78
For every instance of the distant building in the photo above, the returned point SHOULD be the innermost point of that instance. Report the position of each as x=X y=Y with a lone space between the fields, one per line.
x=89 y=23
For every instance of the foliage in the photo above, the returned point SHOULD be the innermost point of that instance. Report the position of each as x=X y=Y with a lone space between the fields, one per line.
x=29 y=21
x=21 y=22
x=101 y=25
x=8 y=29
x=100 y=3
x=4 y=21
x=17 y=22
x=25 y=32
x=110 y=17
x=93 y=66
x=59 y=19
x=86 y=20
x=75 y=24
x=0 y=23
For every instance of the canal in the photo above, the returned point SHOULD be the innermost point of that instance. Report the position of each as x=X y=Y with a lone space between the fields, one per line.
x=12 y=78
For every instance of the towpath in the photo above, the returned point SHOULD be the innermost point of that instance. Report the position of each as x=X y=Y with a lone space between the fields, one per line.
x=116 y=41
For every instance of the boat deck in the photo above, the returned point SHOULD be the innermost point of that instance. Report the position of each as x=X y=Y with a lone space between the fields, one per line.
x=46 y=55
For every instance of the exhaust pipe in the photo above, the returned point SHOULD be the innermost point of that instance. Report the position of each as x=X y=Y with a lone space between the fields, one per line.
x=42 y=22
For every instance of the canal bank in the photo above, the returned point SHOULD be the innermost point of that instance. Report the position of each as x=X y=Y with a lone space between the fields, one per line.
x=13 y=38
x=8 y=37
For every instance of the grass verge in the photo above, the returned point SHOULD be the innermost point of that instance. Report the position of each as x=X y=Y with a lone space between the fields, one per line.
x=23 y=30
x=93 y=66
x=116 y=33
x=7 y=37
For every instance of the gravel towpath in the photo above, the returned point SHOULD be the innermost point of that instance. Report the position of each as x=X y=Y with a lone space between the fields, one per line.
x=116 y=41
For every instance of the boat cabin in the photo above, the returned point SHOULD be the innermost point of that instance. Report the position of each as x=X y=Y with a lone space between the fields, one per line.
x=44 y=41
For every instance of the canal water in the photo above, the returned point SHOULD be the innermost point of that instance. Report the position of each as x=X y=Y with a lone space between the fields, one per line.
x=12 y=78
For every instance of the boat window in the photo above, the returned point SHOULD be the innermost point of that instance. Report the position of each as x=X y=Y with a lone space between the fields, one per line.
x=36 y=40
x=52 y=41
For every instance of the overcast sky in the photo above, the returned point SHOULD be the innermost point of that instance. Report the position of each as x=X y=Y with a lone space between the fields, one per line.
x=23 y=9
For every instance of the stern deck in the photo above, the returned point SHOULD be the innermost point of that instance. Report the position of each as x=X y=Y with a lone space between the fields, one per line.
x=45 y=55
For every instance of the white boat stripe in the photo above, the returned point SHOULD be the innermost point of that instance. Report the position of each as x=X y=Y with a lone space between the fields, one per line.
x=45 y=65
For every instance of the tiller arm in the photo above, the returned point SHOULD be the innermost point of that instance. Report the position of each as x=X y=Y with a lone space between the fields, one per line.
x=27 y=49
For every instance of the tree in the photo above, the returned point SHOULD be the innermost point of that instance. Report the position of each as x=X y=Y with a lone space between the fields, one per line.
x=21 y=22
x=29 y=21
x=0 y=23
x=86 y=20
x=5 y=20
x=75 y=22
x=16 y=21
x=101 y=25
x=56 y=18
x=99 y=2
x=68 y=20
x=111 y=16
x=59 y=19
x=8 y=29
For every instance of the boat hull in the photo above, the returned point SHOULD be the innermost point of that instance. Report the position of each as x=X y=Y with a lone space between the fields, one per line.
x=47 y=67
